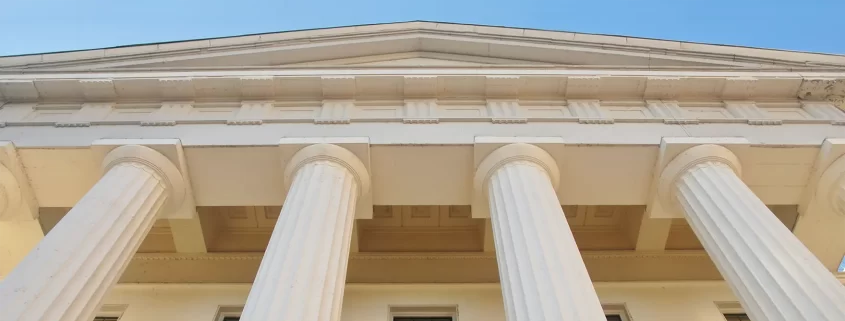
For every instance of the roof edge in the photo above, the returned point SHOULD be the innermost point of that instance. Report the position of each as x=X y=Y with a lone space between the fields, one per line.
x=246 y=39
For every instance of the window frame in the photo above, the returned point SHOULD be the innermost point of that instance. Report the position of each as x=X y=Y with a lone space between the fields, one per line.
x=730 y=308
x=110 y=311
x=617 y=310
x=224 y=312
x=422 y=311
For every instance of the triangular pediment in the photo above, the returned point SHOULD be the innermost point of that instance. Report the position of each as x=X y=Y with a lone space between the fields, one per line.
x=420 y=44
x=419 y=59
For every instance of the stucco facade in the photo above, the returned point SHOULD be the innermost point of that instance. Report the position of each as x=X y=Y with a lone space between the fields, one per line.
x=422 y=169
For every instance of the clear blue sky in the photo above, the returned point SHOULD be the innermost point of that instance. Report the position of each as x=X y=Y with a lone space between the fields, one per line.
x=33 y=26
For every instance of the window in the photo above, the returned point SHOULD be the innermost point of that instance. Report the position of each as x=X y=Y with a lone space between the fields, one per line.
x=737 y=317
x=613 y=317
x=424 y=313
x=231 y=318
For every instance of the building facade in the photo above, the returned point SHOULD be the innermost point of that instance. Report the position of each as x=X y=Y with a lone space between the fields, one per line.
x=422 y=171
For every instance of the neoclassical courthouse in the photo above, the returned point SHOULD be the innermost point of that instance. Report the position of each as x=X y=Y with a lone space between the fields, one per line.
x=422 y=171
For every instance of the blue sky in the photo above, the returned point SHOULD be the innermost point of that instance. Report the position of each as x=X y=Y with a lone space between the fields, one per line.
x=33 y=26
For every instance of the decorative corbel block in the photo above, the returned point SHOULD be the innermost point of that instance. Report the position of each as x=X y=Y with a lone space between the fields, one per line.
x=420 y=86
x=505 y=112
x=176 y=88
x=338 y=87
x=98 y=89
x=420 y=112
x=588 y=112
x=670 y=112
x=739 y=88
x=824 y=110
x=662 y=88
x=583 y=87
x=502 y=86
x=257 y=87
x=335 y=112
x=749 y=110
x=168 y=114
x=251 y=113
x=89 y=113
x=18 y=90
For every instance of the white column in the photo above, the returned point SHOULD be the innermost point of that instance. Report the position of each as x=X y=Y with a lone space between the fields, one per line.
x=303 y=273
x=775 y=277
x=67 y=274
x=542 y=273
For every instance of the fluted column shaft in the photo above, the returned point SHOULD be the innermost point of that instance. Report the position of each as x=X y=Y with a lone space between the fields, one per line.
x=542 y=273
x=303 y=273
x=775 y=276
x=66 y=276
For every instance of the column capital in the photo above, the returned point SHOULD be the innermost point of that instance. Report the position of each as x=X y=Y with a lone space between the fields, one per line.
x=502 y=156
x=690 y=159
x=151 y=160
x=331 y=153
x=511 y=153
x=10 y=193
x=17 y=200
x=831 y=188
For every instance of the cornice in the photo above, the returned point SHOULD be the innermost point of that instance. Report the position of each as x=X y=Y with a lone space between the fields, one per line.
x=430 y=29
x=416 y=84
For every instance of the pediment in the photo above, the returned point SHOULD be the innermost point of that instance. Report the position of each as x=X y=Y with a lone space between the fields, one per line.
x=419 y=59
x=419 y=44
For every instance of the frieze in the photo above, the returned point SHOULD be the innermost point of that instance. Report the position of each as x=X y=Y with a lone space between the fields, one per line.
x=423 y=111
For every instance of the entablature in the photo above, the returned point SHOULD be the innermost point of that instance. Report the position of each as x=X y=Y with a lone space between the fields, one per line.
x=422 y=111
x=419 y=83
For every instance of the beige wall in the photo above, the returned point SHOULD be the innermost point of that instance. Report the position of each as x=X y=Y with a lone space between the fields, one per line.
x=657 y=301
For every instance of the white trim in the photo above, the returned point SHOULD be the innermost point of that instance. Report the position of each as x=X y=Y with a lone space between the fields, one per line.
x=616 y=309
x=450 y=311
x=344 y=33
x=730 y=308
x=225 y=311
x=111 y=311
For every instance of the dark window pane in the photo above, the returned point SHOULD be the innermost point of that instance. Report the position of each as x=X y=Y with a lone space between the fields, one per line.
x=231 y=318
x=613 y=317
x=737 y=317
